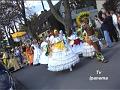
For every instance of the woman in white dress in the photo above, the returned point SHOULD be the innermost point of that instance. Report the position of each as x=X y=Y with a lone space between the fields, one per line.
x=61 y=58
x=87 y=50
x=37 y=53
x=44 y=55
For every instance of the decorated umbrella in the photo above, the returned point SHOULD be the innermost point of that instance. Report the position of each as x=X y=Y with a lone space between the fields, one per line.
x=18 y=34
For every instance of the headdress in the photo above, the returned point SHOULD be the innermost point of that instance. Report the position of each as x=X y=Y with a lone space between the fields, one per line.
x=81 y=16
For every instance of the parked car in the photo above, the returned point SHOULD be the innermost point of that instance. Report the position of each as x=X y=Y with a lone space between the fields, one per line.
x=6 y=80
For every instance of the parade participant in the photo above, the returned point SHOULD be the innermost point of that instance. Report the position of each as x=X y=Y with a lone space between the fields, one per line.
x=24 y=54
x=37 y=53
x=91 y=38
x=80 y=33
x=13 y=63
x=64 y=38
x=61 y=58
x=29 y=54
x=51 y=37
x=44 y=53
x=87 y=50
x=18 y=54
x=5 y=58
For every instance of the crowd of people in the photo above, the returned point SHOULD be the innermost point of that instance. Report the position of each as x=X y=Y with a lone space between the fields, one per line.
x=107 y=22
x=60 y=51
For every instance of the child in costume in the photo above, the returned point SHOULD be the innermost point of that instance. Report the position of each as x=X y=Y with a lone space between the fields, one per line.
x=61 y=58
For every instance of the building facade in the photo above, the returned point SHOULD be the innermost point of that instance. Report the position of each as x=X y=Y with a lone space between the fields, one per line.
x=99 y=4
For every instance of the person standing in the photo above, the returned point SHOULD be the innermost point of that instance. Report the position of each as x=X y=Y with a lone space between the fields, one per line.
x=118 y=17
x=105 y=29
x=111 y=27
x=98 y=24
x=115 y=22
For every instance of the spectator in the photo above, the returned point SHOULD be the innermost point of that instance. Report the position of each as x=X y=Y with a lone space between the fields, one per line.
x=118 y=17
x=115 y=22
x=98 y=24
x=105 y=29
x=111 y=27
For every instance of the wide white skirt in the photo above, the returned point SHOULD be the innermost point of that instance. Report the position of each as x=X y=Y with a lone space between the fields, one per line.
x=77 y=48
x=62 y=60
x=88 y=50
x=43 y=58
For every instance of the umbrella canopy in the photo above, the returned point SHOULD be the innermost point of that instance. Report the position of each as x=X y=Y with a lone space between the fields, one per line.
x=18 y=34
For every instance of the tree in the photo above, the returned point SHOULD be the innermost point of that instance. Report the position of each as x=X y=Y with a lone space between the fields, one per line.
x=21 y=7
x=8 y=17
x=33 y=24
x=66 y=21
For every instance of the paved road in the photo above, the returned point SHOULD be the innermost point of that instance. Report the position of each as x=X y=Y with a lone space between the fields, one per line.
x=40 y=78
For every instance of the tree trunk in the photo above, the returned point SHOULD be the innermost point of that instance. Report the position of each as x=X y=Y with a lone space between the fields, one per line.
x=68 y=19
x=23 y=12
x=55 y=13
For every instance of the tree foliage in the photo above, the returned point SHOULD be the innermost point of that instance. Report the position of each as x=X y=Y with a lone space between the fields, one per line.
x=33 y=22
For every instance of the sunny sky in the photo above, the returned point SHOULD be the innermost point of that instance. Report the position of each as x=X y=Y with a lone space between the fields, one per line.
x=35 y=6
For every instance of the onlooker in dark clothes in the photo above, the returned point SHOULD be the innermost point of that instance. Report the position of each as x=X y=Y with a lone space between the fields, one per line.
x=105 y=29
x=111 y=28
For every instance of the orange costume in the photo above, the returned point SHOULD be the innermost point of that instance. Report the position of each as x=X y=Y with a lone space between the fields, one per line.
x=29 y=55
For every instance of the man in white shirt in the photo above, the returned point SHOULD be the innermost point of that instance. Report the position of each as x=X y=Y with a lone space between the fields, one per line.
x=115 y=22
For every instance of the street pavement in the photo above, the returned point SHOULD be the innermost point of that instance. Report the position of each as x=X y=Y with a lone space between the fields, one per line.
x=39 y=78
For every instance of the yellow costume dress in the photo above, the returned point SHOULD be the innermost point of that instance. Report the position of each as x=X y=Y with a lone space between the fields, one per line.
x=61 y=57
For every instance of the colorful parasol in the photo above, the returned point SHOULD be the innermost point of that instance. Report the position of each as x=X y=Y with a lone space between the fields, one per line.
x=18 y=34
